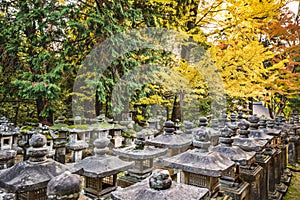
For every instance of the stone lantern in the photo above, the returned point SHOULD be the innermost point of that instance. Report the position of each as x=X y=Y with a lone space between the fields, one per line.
x=296 y=119
x=263 y=158
x=200 y=167
x=7 y=152
x=240 y=116
x=100 y=129
x=116 y=134
x=7 y=135
x=143 y=158
x=59 y=145
x=276 y=169
x=43 y=129
x=160 y=186
x=223 y=120
x=253 y=173
x=76 y=144
x=285 y=173
x=233 y=125
x=28 y=179
x=233 y=185
x=293 y=145
x=154 y=126
x=188 y=129
x=174 y=142
x=100 y=171
x=212 y=134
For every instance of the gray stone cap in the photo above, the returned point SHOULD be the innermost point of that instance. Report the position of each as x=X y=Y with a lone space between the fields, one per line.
x=273 y=131
x=95 y=166
x=77 y=130
x=271 y=151
x=65 y=186
x=253 y=170
x=8 y=133
x=78 y=145
x=26 y=176
x=259 y=134
x=262 y=159
x=206 y=163
x=236 y=154
x=146 y=153
x=249 y=144
x=142 y=191
x=170 y=141
x=7 y=154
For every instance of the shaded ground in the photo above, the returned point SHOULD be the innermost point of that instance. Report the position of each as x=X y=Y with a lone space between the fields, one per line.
x=293 y=192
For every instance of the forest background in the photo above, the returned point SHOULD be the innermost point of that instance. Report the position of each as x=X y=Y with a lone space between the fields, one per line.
x=254 y=45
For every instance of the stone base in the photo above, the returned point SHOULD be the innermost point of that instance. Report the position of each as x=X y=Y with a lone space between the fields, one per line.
x=125 y=181
x=285 y=179
x=275 y=195
x=237 y=192
x=104 y=194
x=88 y=196
x=282 y=188
x=287 y=172
x=221 y=196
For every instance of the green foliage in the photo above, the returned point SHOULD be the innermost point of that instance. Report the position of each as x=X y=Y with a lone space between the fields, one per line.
x=45 y=44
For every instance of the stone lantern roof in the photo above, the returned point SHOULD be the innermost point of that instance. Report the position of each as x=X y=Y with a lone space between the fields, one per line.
x=160 y=186
x=7 y=129
x=270 y=130
x=245 y=142
x=235 y=153
x=139 y=152
x=205 y=163
x=101 y=164
x=169 y=139
x=255 y=132
x=32 y=174
x=200 y=160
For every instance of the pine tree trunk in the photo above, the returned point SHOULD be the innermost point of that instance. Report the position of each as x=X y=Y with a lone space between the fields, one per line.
x=39 y=108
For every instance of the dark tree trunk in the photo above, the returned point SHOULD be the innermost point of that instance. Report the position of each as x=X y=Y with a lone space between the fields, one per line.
x=270 y=112
x=176 y=113
x=250 y=106
x=39 y=108
x=108 y=107
x=98 y=105
x=40 y=105
x=168 y=113
x=17 y=113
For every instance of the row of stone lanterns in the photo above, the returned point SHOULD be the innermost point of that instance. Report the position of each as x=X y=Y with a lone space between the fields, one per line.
x=230 y=160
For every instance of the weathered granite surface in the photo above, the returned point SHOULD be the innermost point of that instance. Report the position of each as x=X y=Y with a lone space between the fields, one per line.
x=7 y=154
x=100 y=165
x=169 y=139
x=236 y=154
x=64 y=186
x=144 y=190
x=34 y=173
x=137 y=154
x=198 y=162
